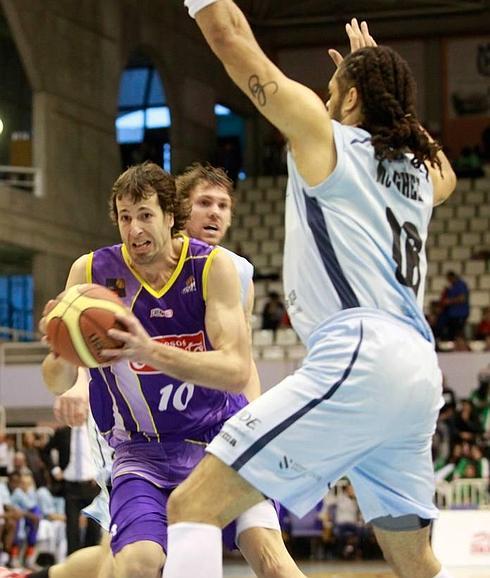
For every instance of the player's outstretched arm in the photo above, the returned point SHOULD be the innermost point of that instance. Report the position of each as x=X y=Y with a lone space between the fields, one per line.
x=60 y=375
x=293 y=108
x=227 y=368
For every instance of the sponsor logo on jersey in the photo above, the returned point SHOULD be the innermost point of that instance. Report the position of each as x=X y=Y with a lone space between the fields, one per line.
x=165 y=313
x=190 y=285
x=248 y=419
x=228 y=438
x=286 y=463
x=187 y=342
x=113 y=530
x=117 y=285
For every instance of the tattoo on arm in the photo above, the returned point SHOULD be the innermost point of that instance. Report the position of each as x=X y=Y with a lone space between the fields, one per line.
x=259 y=91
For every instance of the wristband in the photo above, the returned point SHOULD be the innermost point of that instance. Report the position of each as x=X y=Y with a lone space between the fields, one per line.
x=195 y=5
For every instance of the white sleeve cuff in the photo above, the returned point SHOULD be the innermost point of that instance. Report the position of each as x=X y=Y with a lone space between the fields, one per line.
x=195 y=5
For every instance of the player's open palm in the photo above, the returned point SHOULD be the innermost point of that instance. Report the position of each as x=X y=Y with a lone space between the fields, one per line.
x=359 y=37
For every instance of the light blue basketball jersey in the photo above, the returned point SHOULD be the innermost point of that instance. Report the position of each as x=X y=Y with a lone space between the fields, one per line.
x=357 y=240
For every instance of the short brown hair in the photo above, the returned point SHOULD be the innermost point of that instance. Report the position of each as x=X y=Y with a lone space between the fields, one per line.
x=198 y=174
x=144 y=180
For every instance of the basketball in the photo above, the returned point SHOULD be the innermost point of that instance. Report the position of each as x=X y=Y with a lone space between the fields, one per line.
x=77 y=324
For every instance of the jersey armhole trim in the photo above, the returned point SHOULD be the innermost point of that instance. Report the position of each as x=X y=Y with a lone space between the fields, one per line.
x=205 y=272
x=88 y=267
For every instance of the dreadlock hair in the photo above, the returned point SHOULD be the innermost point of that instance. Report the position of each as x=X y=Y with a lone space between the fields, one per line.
x=144 y=180
x=388 y=97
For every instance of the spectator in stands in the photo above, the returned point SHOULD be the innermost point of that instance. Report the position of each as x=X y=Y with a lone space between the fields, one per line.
x=467 y=423
x=75 y=472
x=13 y=549
x=273 y=311
x=445 y=471
x=448 y=395
x=20 y=463
x=53 y=524
x=469 y=164
x=4 y=457
x=24 y=497
x=342 y=512
x=446 y=434
x=480 y=398
x=33 y=459
x=455 y=303
x=467 y=466
x=434 y=317
x=9 y=518
x=10 y=453
x=482 y=330
x=482 y=464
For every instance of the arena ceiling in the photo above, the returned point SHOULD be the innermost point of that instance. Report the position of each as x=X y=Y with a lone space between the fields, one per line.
x=307 y=21
x=292 y=13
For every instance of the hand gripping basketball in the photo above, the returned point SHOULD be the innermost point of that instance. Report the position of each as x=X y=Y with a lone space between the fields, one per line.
x=76 y=324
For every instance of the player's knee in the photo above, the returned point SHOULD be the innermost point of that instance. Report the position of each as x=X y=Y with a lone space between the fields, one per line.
x=176 y=506
x=136 y=562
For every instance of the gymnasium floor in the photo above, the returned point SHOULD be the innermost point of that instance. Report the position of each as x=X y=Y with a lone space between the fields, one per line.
x=348 y=570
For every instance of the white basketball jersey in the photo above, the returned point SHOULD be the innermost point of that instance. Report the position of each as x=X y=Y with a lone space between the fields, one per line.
x=357 y=239
x=245 y=272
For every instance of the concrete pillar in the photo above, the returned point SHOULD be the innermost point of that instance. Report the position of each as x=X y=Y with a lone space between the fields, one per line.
x=49 y=272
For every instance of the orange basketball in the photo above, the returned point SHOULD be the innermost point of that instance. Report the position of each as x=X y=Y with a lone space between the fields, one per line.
x=77 y=324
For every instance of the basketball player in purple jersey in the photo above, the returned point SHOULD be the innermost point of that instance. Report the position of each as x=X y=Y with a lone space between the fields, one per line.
x=138 y=540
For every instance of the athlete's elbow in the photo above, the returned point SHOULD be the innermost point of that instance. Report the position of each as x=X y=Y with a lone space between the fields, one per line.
x=241 y=375
x=58 y=375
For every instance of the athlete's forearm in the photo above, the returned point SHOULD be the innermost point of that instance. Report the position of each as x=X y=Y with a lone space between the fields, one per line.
x=220 y=370
x=230 y=37
x=58 y=374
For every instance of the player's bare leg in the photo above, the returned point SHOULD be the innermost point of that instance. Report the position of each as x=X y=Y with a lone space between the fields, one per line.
x=95 y=562
x=409 y=553
x=267 y=555
x=209 y=499
x=213 y=494
x=143 y=559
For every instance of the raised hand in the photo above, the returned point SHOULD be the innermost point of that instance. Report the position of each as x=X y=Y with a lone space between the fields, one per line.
x=359 y=37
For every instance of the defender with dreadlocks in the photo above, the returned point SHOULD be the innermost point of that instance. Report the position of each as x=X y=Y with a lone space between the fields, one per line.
x=363 y=178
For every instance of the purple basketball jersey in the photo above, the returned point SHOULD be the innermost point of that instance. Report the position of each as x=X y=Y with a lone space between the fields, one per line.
x=132 y=401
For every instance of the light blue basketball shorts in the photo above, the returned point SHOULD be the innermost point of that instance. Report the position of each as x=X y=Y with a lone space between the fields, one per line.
x=364 y=404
